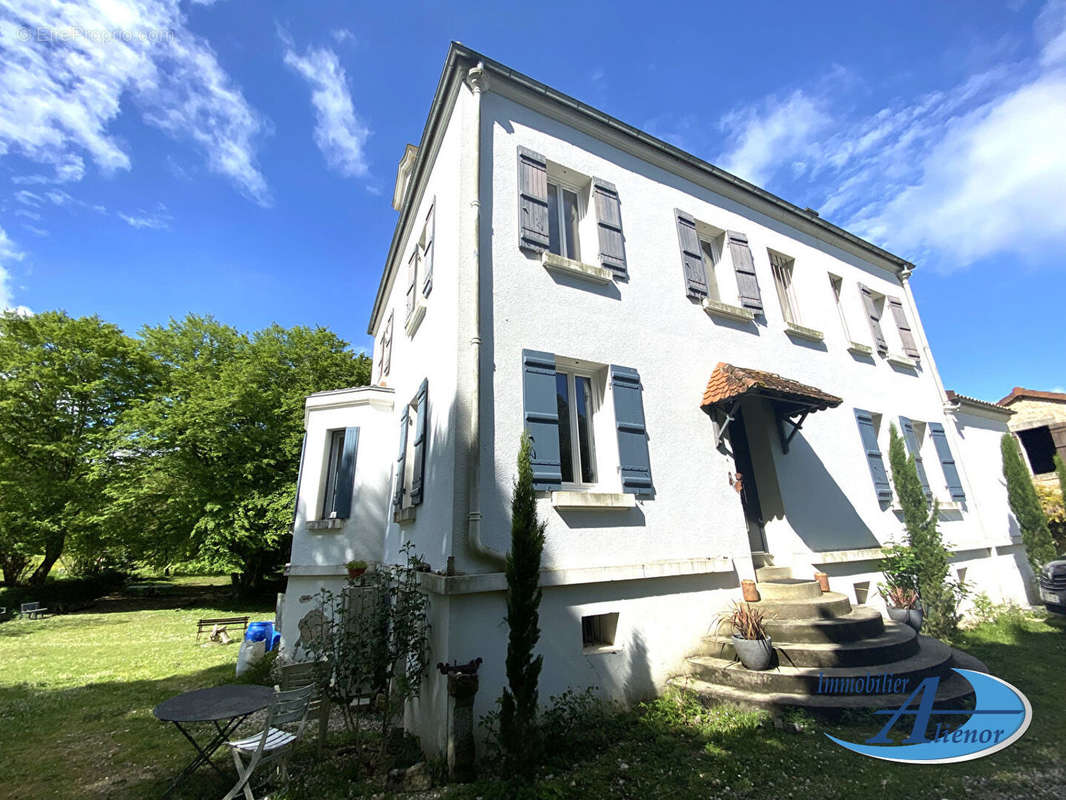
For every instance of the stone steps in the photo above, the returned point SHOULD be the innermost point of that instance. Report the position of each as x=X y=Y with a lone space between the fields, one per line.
x=893 y=644
x=827 y=605
x=789 y=589
x=931 y=658
x=953 y=689
x=772 y=573
x=860 y=622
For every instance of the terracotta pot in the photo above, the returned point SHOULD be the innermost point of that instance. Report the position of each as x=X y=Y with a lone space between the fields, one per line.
x=355 y=573
x=751 y=594
x=823 y=580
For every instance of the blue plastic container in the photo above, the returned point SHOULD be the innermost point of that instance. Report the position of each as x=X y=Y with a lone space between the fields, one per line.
x=260 y=632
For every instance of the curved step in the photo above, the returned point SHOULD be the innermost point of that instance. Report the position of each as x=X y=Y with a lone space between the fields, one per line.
x=827 y=606
x=789 y=589
x=932 y=658
x=860 y=622
x=772 y=573
x=894 y=644
x=953 y=688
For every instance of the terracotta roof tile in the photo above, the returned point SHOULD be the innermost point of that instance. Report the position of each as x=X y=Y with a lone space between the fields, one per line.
x=955 y=397
x=729 y=382
x=1017 y=393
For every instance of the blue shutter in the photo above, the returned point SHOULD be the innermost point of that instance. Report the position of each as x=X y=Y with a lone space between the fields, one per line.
x=541 y=411
x=691 y=256
x=744 y=267
x=911 y=441
x=342 y=503
x=633 y=457
x=868 y=434
x=947 y=462
x=609 y=224
x=299 y=480
x=431 y=229
x=401 y=461
x=419 y=467
x=532 y=201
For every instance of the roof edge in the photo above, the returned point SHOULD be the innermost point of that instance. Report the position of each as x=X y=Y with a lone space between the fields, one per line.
x=983 y=405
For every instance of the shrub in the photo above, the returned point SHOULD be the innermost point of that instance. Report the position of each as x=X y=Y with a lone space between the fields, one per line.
x=1025 y=503
x=1055 y=511
x=925 y=567
x=518 y=705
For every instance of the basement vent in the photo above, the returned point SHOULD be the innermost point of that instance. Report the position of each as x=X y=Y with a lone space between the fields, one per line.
x=598 y=630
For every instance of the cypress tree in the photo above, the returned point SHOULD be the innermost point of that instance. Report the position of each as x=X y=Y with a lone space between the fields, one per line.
x=518 y=705
x=1025 y=504
x=939 y=595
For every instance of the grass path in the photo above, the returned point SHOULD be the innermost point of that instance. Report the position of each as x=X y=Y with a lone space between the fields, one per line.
x=76 y=699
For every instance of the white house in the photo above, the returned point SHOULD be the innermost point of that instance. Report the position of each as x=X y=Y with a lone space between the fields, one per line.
x=658 y=326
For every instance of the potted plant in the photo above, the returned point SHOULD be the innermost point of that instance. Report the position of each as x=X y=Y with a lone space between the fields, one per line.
x=753 y=646
x=902 y=603
x=355 y=568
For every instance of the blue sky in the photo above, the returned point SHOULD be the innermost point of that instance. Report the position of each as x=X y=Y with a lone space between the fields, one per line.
x=237 y=157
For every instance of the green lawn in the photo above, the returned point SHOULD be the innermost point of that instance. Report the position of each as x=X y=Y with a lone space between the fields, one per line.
x=76 y=694
x=76 y=699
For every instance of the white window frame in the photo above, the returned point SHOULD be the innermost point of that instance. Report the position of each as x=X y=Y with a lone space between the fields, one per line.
x=332 y=466
x=783 y=269
x=561 y=184
x=836 y=286
x=596 y=383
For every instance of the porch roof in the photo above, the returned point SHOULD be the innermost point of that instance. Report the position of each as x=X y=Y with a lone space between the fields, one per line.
x=729 y=383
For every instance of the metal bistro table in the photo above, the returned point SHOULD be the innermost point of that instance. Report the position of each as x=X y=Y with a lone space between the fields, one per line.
x=224 y=706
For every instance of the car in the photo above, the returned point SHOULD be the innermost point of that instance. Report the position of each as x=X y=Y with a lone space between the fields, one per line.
x=1053 y=586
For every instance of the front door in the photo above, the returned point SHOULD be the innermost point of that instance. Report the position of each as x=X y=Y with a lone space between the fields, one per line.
x=744 y=482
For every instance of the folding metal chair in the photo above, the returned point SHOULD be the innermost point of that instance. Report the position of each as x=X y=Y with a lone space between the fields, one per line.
x=274 y=743
x=295 y=676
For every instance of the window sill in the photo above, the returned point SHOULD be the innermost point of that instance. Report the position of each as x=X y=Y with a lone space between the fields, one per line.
x=951 y=505
x=718 y=308
x=902 y=361
x=606 y=501
x=415 y=320
x=334 y=524
x=404 y=515
x=804 y=332
x=599 y=649
x=551 y=261
x=860 y=349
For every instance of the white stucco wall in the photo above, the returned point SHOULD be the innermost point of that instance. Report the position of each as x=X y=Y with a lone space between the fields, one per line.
x=648 y=323
x=430 y=354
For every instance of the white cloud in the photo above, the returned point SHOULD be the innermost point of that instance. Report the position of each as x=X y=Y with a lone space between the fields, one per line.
x=342 y=35
x=9 y=254
x=67 y=70
x=949 y=178
x=159 y=219
x=339 y=133
x=778 y=132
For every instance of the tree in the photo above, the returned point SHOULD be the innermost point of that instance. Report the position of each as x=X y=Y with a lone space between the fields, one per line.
x=518 y=705
x=63 y=383
x=1026 y=506
x=923 y=556
x=1060 y=470
x=211 y=459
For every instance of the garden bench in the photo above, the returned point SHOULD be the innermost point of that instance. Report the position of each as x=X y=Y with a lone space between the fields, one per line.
x=209 y=624
x=33 y=610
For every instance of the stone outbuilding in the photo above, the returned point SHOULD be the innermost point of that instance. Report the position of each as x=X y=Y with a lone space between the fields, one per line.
x=1039 y=422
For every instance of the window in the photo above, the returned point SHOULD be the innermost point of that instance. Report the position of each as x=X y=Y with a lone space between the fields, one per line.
x=599 y=630
x=420 y=274
x=711 y=250
x=411 y=463
x=836 y=283
x=786 y=290
x=573 y=393
x=385 y=359
x=333 y=469
x=564 y=214
x=874 y=305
